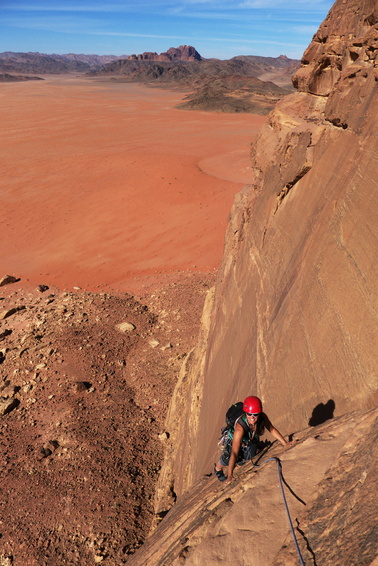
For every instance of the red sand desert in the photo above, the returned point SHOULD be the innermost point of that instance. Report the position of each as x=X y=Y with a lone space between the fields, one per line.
x=106 y=184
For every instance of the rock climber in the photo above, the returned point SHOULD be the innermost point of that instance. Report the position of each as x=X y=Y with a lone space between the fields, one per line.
x=244 y=439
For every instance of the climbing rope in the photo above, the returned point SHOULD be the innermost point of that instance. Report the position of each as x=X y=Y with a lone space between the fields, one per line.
x=279 y=467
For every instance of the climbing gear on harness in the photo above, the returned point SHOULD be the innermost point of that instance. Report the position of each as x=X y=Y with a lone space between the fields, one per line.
x=249 y=447
x=252 y=405
x=234 y=414
x=219 y=473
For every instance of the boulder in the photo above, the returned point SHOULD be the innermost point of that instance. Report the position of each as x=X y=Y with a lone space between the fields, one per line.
x=9 y=312
x=125 y=327
x=7 y=405
x=7 y=279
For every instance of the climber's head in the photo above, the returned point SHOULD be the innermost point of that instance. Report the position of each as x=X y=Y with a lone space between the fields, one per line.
x=252 y=407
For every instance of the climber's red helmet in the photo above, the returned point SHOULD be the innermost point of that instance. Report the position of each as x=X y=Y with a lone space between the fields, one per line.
x=252 y=405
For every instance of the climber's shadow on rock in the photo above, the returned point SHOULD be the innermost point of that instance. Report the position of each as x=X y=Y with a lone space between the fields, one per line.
x=322 y=412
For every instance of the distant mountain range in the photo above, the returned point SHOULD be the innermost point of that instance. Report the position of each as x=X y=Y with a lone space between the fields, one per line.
x=141 y=65
x=184 y=64
x=43 y=64
x=182 y=71
x=247 y=83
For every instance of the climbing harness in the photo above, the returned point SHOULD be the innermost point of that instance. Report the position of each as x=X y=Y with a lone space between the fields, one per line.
x=279 y=468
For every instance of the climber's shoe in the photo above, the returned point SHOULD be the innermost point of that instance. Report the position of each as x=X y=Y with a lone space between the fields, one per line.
x=220 y=475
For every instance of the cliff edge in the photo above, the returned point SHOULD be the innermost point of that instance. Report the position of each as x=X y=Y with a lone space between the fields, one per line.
x=293 y=317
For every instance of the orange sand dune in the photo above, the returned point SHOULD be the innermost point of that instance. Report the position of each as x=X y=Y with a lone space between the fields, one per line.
x=104 y=184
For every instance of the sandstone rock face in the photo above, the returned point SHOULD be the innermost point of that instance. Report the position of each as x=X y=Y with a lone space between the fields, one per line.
x=345 y=44
x=294 y=318
x=328 y=474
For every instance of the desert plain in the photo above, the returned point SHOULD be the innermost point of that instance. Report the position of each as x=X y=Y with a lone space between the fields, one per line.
x=106 y=185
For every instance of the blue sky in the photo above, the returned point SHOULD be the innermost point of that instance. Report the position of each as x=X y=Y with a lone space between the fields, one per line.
x=216 y=28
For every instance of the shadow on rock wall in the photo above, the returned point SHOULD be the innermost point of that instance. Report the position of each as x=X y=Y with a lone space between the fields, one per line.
x=322 y=412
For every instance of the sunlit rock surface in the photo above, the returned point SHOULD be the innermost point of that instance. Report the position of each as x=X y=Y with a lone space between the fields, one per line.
x=294 y=321
x=294 y=318
x=330 y=480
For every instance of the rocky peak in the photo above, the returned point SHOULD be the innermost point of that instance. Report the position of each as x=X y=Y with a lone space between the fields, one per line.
x=182 y=53
x=185 y=53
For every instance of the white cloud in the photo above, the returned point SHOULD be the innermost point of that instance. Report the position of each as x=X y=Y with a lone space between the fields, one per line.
x=282 y=4
x=126 y=6
x=77 y=7
x=124 y=34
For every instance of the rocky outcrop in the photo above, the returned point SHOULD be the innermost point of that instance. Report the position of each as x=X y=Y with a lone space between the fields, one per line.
x=344 y=46
x=295 y=309
x=234 y=94
x=182 y=53
x=7 y=78
x=295 y=314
